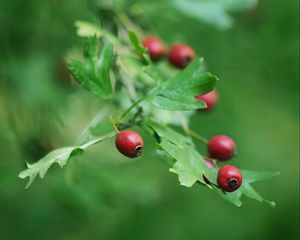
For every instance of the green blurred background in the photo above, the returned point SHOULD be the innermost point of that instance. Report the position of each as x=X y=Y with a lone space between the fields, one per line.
x=102 y=195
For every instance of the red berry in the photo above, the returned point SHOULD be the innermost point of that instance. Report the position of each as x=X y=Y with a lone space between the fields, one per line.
x=210 y=99
x=129 y=143
x=221 y=147
x=155 y=47
x=181 y=55
x=229 y=178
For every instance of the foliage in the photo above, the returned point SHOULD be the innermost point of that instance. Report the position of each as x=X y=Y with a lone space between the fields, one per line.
x=123 y=73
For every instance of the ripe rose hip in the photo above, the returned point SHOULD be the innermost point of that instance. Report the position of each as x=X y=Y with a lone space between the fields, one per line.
x=155 y=47
x=129 y=143
x=229 y=178
x=210 y=99
x=221 y=147
x=181 y=55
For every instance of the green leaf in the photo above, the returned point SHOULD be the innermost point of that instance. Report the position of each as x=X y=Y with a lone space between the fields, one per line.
x=252 y=176
x=59 y=156
x=178 y=92
x=190 y=166
x=94 y=74
x=138 y=47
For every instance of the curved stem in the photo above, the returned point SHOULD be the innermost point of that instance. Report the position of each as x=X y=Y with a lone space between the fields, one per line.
x=131 y=107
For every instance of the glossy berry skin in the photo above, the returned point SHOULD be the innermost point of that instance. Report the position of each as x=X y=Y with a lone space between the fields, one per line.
x=155 y=47
x=229 y=178
x=129 y=143
x=221 y=147
x=181 y=55
x=210 y=99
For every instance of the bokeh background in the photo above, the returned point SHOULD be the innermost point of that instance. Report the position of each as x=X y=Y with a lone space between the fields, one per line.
x=102 y=195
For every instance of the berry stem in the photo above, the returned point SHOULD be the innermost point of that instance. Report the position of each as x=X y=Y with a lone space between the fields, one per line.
x=97 y=140
x=114 y=125
x=197 y=136
x=131 y=107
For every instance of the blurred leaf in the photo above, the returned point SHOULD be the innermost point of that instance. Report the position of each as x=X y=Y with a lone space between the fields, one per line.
x=86 y=29
x=178 y=92
x=138 y=47
x=210 y=12
x=101 y=128
x=94 y=74
x=239 y=5
x=252 y=176
x=60 y=156
x=214 y=12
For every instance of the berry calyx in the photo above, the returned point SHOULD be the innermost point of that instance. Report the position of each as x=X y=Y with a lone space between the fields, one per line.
x=210 y=99
x=221 y=147
x=181 y=55
x=129 y=143
x=229 y=178
x=155 y=47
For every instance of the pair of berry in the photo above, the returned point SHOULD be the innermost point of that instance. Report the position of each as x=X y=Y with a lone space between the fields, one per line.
x=180 y=55
x=223 y=148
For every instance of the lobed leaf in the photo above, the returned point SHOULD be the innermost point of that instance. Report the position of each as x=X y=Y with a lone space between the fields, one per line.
x=178 y=92
x=59 y=156
x=94 y=74
x=190 y=166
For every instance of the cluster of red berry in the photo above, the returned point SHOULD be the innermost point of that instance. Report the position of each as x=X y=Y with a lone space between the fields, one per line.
x=220 y=147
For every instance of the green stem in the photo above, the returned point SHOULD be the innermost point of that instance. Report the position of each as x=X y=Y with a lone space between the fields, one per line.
x=131 y=107
x=197 y=136
x=97 y=140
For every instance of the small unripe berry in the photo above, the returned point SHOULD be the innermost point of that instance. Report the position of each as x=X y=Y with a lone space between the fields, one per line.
x=229 y=178
x=181 y=55
x=129 y=143
x=221 y=147
x=210 y=99
x=209 y=164
x=155 y=47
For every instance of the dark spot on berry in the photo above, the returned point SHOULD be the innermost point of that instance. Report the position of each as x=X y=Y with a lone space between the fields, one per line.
x=187 y=60
x=232 y=183
x=138 y=151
